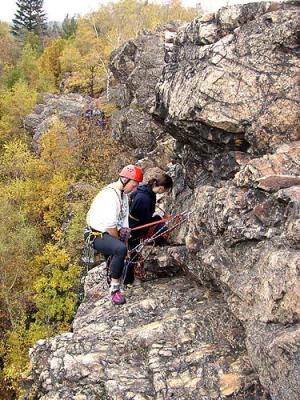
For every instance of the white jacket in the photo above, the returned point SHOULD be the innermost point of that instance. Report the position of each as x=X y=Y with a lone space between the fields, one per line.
x=109 y=209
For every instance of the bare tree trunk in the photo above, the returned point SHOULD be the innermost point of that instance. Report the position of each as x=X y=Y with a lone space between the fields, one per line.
x=108 y=76
x=92 y=69
x=94 y=26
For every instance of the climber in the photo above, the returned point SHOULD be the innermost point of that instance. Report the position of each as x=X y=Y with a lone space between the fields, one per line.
x=143 y=202
x=142 y=211
x=108 y=221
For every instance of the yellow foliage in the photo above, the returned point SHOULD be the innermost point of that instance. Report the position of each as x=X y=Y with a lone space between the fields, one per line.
x=19 y=241
x=27 y=194
x=51 y=255
x=53 y=296
x=41 y=201
x=28 y=65
x=39 y=186
x=8 y=47
x=76 y=83
x=108 y=108
x=74 y=237
x=98 y=163
x=15 y=160
x=49 y=62
x=17 y=345
x=15 y=103
x=69 y=58
x=53 y=201
x=101 y=32
x=57 y=151
x=54 y=281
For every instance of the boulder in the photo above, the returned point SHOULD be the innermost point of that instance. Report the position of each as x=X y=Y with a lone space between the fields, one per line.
x=69 y=108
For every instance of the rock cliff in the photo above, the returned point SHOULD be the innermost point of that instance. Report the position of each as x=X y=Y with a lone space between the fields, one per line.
x=235 y=103
x=216 y=104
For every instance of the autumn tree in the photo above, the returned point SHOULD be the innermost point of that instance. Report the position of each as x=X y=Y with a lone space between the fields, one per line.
x=50 y=63
x=8 y=49
x=15 y=103
x=101 y=32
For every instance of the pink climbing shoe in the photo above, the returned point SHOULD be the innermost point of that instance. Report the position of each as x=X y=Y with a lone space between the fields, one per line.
x=117 y=296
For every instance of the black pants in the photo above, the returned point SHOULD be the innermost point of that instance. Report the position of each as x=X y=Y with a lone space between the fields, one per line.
x=110 y=246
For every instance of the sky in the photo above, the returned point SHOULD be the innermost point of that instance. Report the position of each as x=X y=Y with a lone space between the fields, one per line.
x=57 y=9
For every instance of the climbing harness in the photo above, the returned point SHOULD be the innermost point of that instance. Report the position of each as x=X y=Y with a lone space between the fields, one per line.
x=88 y=253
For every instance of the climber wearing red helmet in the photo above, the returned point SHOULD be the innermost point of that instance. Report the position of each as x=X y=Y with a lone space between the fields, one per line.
x=132 y=172
x=107 y=217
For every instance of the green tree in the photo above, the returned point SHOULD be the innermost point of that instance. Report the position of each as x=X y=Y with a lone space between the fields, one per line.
x=69 y=27
x=29 y=16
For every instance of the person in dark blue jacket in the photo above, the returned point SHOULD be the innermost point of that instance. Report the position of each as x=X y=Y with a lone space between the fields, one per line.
x=141 y=209
x=143 y=201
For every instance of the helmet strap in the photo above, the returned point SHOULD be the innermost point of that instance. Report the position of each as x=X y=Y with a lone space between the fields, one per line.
x=124 y=181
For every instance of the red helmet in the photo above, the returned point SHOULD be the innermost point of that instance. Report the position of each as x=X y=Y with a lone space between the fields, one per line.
x=132 y=172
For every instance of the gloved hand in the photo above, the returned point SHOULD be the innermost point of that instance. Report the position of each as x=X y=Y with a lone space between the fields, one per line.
x=124 y=234
x=160 y=212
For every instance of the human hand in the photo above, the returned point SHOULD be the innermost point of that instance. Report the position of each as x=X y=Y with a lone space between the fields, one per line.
x=124 y=234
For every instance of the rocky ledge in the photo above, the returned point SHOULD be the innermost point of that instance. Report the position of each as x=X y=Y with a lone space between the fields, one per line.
x=172 y=340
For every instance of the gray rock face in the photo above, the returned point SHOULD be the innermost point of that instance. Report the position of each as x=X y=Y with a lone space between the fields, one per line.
x=239 y=91
x=137 y=130
x=67 y=107
x=171 y=340
x=141 y=61
x=227 y=99
x=274 y=345
x=136 y=68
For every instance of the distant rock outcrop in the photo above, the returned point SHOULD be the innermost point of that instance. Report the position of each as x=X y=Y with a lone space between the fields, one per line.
x=69 y=108
x=216 y=104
